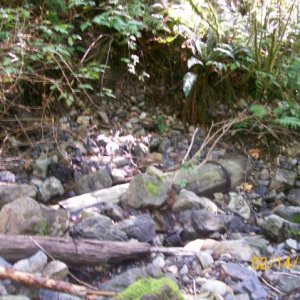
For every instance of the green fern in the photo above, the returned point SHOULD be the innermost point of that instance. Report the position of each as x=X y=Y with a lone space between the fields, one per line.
x=259 y=110
x=289 y=122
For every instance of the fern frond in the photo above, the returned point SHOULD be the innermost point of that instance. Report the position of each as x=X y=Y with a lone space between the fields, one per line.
x=259 y=110
x=290 y=122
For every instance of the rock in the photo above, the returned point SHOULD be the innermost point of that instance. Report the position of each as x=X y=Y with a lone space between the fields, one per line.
x=291 y=244
x=119 y=282
x=34 y=264
x=11 y=192
x=153 y=171
x=141 y=227
x=164 y=145
x=215 y=286
x=264 y=174
x=206 y=222
x=52 y=295
x=152 y=289
x=294 y=151
x=205 y=259
x=56 y=269
x=92 y=147
x=100 y=228
x=7 y=176
x=294 y=196
x=283 y=177
x=93 y=182
x=290 y=213
x=173 y=269
x=287 y=284
x=3 y=291
x=159 y=261
x=140 y=150
x=278 y=228
x=121 y=161
x=112 y=148
x=26 y=216
x=184 y=270
x=4 y=263
x=214 y=176
x=118 y=175
x=189 y=200
x=102 y=140
x=239 y=205
x=147 y=191
x=14 y=297
x=84 y=120
x=48 y=189
x=60 y=171
x=238 y=249
x=104 y=117
x=248 y=277
x=41 y=165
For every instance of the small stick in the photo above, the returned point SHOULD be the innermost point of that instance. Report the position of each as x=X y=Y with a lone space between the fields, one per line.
x=51 y=284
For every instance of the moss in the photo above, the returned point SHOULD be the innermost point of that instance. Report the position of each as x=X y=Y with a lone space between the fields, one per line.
x=296 y=218
x=163 y=288
x=152 y=188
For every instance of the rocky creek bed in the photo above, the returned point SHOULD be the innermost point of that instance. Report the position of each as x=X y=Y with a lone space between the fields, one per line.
x=227 y=230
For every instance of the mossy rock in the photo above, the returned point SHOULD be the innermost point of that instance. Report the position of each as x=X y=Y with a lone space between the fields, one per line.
x=152 y=289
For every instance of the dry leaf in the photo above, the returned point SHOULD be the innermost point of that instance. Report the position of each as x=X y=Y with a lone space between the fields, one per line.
x=247 y=187
x=254 y=153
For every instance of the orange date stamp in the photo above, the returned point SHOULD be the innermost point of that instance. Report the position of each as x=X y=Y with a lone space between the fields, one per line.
x=262 y=263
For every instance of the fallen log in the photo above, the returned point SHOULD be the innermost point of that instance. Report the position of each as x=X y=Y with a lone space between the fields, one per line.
x=71 y=251
x=108 y=195
x=51 y=284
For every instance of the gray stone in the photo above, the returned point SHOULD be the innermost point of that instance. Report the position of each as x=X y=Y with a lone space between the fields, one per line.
x=112 y=148
x=26 y=216
x=283 y=177
x=288 y=284
x=215 y=286
x=41 y=165
x=291 y=244
x=189 y=200
x=205 y=259
x=184 y=270
x=3 y=291
x=294 y=196
x=4 y=263
x=100 y=228
x=239 y=205
x=121 y=161
x=237 y=271
x=147 y=191
x=48 y=189
x=7 y=176
x=159 y=261
x=14 y=297
x=93 y=182
x=52 y=295
x=164 y=145
x=56 y=269
x=92 y=147
x=278 y=228
x=11 y=192
x=122 y=281
x=141 y=227
x=264 y=174
x=33 y=264
x=118 y=175
x=206 y=222
x=290 y=213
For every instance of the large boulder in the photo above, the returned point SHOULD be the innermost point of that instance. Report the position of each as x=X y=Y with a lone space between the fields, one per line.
x=26 y=216
x=11 y=192
x=92 y=182
x=147 y=191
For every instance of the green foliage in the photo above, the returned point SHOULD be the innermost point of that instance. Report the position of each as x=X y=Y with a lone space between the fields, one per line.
x=63 y=53
x=164 y=288
x=259 y=111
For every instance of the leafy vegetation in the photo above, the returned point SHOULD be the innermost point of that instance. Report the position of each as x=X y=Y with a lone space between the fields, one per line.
x=58 y=50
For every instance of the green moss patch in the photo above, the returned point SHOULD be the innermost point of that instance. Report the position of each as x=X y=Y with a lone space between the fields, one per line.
x=161 y=289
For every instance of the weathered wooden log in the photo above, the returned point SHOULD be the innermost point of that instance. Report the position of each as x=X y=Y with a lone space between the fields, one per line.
x=71 y=251
x=51 y=284
x=111 y=195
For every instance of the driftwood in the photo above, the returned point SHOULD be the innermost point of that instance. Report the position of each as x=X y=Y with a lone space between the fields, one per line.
x=51 y=284
x=109 y=195
x=71 y=251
